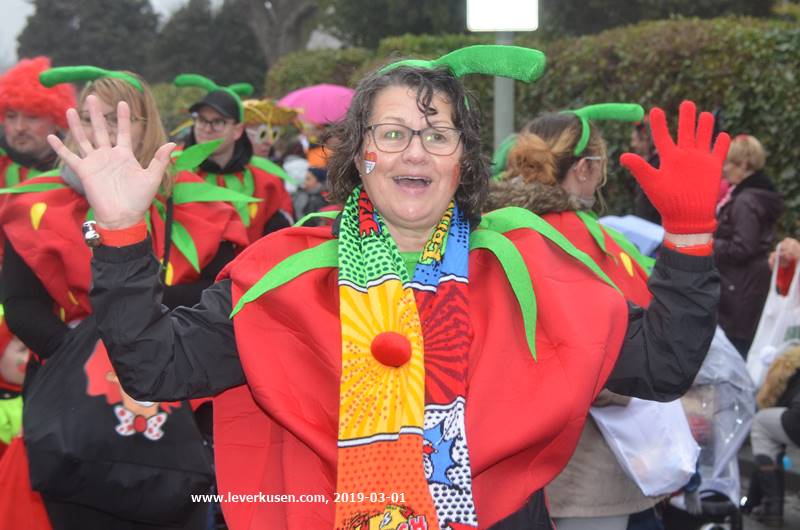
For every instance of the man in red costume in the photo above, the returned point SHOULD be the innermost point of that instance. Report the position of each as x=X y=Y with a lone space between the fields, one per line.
x=218 y=116
x=29 y=112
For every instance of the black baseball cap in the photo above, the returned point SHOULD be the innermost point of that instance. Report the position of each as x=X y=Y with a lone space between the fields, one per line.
x=222 y=102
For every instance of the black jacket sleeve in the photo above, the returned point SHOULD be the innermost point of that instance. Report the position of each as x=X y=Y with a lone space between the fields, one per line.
x=188 y=294
x=28 y=307
x=666 y=344
x=161 y=355
x=279 y=220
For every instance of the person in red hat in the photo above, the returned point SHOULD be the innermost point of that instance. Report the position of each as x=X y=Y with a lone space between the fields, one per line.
x=29 y=112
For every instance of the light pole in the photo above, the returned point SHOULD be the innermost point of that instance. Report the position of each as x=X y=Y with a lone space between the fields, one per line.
x=503 y=97
x=503 y=17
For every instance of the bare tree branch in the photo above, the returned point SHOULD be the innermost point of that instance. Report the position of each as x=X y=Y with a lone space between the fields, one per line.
x=278 y=25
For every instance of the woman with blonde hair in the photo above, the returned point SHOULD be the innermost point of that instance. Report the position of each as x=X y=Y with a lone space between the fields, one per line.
x=100 y=458
x=744 y=239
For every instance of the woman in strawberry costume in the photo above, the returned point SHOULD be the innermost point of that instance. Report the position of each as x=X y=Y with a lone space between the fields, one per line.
x=416 y=364
x=101 y=460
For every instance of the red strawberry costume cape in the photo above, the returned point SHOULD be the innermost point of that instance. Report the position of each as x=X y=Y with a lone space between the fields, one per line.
x=523 y=418
x=11 y=174
x=42 y=219
x=618 y=258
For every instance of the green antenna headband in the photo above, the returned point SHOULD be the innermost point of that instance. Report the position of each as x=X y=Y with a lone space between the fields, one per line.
x=72 y=74
x=522 y=64
x=236 y=90
x=604 y=112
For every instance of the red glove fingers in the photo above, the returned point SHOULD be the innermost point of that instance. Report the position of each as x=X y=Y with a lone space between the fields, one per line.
x=684 y=188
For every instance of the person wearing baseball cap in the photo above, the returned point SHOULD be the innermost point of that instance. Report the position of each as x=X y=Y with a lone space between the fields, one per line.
x=29 y=112
x=219 y=116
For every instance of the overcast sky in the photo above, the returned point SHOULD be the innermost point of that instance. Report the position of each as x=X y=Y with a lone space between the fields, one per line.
x=15 y=14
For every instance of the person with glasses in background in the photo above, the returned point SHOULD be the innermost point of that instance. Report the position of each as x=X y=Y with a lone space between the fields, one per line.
x=132 y=464
x=555 y=168
x=398 y=364
x=219 y=116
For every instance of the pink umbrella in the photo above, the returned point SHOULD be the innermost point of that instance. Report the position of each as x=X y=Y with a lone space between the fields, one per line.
x=319 y=103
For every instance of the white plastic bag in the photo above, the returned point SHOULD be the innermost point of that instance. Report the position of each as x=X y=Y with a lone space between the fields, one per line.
x=779 y=324
x=652 y=442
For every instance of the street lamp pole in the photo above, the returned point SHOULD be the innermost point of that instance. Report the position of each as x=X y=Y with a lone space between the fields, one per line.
x=503 y=17
x=503 y=98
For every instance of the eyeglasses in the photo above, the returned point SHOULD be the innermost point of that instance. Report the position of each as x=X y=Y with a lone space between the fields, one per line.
x=602 y=160
x=216 y=125
x=595 y=158
x=111 y=119
x=395 y=138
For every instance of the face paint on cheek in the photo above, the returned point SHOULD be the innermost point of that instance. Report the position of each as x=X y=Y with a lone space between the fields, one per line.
x=370 y=159
x=457 y=174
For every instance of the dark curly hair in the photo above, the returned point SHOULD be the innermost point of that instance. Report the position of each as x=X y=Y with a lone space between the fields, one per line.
x=343 y=174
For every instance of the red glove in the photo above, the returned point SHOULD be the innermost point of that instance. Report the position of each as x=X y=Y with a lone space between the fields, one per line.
x=684 y=189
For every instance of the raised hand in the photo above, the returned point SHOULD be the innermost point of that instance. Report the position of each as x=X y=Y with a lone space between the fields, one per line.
x=684 y=189
x=117 y=187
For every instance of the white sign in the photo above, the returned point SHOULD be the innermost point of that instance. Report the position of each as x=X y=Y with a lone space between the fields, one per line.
x=502 y=15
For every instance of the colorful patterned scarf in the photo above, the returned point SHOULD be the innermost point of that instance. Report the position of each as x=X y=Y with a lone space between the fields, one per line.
x=403 y=462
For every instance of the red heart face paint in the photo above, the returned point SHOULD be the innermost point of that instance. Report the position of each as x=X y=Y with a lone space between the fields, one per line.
x=370 y=158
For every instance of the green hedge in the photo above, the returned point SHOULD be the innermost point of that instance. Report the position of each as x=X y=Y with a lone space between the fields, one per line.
x=748 y=67
x=311 y=67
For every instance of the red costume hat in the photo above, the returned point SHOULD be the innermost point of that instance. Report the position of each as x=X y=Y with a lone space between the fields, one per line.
x=21 y=90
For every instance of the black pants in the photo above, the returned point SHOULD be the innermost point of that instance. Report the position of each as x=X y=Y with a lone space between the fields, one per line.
x=532 y=516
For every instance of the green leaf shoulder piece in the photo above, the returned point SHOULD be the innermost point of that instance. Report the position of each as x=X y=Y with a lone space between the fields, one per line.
x=183 y=241
x=184 y=192
x=599 y=232
x=589 y=220
x=645 y=262
x=324 y=255
x=35 y=184
x=514 y=266
x=270 y=167
x=512 y=218
x=333 y=214
x=189 y=159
